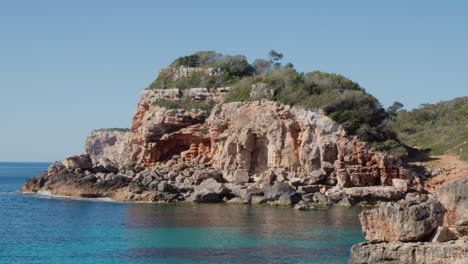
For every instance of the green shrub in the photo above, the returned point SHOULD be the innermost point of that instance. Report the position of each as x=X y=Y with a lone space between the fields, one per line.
x=341 y=99
x=185 y=104
x=113 y=129
x=438 y=127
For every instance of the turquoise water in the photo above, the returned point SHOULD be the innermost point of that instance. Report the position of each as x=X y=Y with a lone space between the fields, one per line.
x=41 y=229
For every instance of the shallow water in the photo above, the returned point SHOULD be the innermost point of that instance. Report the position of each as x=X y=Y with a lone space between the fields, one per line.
x=44 y=229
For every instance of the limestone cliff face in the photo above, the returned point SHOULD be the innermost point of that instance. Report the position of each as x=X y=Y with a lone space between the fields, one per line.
x=250 y=138
x=244 y=140
x=158 y=133
x=106 y=146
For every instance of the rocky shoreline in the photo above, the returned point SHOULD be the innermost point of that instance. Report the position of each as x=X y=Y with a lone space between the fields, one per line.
x=195 y=182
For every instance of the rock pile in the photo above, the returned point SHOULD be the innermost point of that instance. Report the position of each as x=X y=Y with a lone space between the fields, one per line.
x=418 y=229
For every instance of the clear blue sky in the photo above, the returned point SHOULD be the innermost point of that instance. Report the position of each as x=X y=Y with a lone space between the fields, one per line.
x=67 y=67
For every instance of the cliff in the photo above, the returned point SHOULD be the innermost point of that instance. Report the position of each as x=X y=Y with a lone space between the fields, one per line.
x=245 y=147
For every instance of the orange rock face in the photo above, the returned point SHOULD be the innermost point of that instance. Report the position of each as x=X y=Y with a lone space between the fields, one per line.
x=244 y=140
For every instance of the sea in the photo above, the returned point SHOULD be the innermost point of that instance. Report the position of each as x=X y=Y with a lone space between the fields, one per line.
x=40 y=228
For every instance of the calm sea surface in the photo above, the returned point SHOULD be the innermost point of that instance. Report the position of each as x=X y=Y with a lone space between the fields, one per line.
x=42 y=229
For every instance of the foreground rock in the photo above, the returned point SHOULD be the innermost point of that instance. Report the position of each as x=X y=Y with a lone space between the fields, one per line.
x=454 y=252
x=417 y=229
x=402 y=222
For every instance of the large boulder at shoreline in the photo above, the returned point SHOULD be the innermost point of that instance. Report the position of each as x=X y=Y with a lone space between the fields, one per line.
x=454 y=196
x=453 y=252
x=402 y=221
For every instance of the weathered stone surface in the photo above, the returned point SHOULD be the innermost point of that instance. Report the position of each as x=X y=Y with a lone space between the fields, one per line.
x=454 y=196
x=443 y=234
x=108 y=147
x=258 y=136
x=380 y=192
x=400 y=184
x=453 y=252
x=400 y=222
x=201 y=175
x=256 y=199
x=78 y=162
x=209 y=191
x=461 y=228
x=278 y=189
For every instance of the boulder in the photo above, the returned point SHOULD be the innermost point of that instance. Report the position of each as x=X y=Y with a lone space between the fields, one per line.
x=82 y=162
x=400 y=184
x=308 y=189
x=165 y=187
x=205 y=196
x=209 y=191
x=201 y=175
x=454 y=196
x=278 y=189
x=443 y=234
x=401 y=222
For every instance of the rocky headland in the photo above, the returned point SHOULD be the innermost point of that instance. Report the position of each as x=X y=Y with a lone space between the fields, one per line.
x=192 y=145
x=259 y=151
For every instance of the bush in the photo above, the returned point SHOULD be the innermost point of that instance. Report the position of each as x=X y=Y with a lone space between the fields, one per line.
x=185 y=104
x=113 y=129
x=438 y=127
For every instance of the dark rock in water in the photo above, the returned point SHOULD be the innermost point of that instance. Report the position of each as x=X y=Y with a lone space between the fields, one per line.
x=304 y=206
x=346 y=202
x=288 y=199
x=210 y=191
x=206 y=196
x=278 y=189
x=166 y=197
x=401 y=222
x=252 y=192
x=308 y=197
x=321 y=199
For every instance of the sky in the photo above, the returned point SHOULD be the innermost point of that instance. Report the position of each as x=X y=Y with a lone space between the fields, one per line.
x=67 y=67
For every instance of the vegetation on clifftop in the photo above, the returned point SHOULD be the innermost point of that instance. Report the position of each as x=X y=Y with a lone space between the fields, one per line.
x=436 y=128
x=113 y=129
x=342 y=99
